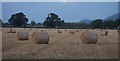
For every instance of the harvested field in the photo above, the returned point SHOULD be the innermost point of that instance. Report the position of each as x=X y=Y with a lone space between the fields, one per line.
x=61 y=46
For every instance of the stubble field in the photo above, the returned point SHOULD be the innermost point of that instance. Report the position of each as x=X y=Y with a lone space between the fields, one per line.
x=61 y=45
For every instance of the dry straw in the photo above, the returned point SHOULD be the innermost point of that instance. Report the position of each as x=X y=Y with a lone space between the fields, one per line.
x=40 y=37
x=22 y=35
x=89 y=37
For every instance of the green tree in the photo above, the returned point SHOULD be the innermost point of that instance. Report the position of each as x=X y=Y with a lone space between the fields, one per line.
x=18 y=20
x=117 y=23
x=40 y=24
x=1 y=22
x=97 y=23
x=33 y=22
x=52 y=21
x=109 y=24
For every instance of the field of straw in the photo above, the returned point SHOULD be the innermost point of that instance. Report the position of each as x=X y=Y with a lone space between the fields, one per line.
x=61 y=45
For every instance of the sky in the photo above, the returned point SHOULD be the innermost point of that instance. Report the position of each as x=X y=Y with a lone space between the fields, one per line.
x=68 y=11
x=0 y=9
x=59 y=0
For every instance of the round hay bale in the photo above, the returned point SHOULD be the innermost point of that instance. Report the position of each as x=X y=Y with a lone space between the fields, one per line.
x=77 y=30
x=99 y=30
x=87 y=29
x=59 y=31
x=118 y=32
x=11 y=31
x=50 y=29
x=42 y=30
x=71 y=32
x=104 y=33
x=65 y=29
x=30 y=28
x=37 y=29
x=89 y=37
x=0 y=29
x=40 y=37
x=22 y=35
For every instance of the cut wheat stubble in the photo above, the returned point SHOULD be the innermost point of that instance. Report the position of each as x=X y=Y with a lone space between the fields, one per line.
x=40 y=37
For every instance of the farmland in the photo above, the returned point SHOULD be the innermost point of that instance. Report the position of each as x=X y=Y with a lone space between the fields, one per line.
x=61 y=45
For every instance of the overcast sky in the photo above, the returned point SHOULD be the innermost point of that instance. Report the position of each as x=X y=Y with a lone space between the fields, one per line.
x=68 y=11
x=59 y=0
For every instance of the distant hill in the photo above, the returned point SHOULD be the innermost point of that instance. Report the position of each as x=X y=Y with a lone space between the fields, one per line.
x=112 y=17
x=86 y=21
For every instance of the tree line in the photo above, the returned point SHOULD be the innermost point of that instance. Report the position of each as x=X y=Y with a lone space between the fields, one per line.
x=110 y=24
x=54 y=21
